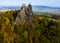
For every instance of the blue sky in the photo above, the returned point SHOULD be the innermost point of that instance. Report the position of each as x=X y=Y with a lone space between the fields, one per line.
x=53 y=3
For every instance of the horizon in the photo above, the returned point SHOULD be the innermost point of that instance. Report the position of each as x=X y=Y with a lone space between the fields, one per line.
x=52 y=3
x=32 y=6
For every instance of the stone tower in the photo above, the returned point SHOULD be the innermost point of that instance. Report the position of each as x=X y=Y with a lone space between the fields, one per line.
x=21 y=15
x=30 y=13
x=30 y=8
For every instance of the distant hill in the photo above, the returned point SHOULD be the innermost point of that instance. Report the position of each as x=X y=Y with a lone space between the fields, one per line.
x=36 y=9
x=46 y=7
x=9 y=7
x=39 y=7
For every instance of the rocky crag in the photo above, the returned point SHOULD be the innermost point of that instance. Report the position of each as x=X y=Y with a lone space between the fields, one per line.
x=24 y=14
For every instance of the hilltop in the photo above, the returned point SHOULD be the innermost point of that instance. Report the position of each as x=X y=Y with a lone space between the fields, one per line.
x=25 y=26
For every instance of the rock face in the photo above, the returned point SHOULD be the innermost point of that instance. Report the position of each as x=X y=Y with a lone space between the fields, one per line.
x=24 y=14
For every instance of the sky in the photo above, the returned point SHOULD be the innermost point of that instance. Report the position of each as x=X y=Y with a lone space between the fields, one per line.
x=53 y=3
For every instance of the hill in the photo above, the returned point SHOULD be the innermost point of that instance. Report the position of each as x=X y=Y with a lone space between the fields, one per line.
x=24 y=26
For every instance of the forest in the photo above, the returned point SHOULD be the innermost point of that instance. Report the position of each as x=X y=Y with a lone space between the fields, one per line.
x=44 y=29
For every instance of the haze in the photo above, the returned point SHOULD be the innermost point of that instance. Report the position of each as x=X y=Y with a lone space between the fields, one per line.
x=53 y=3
